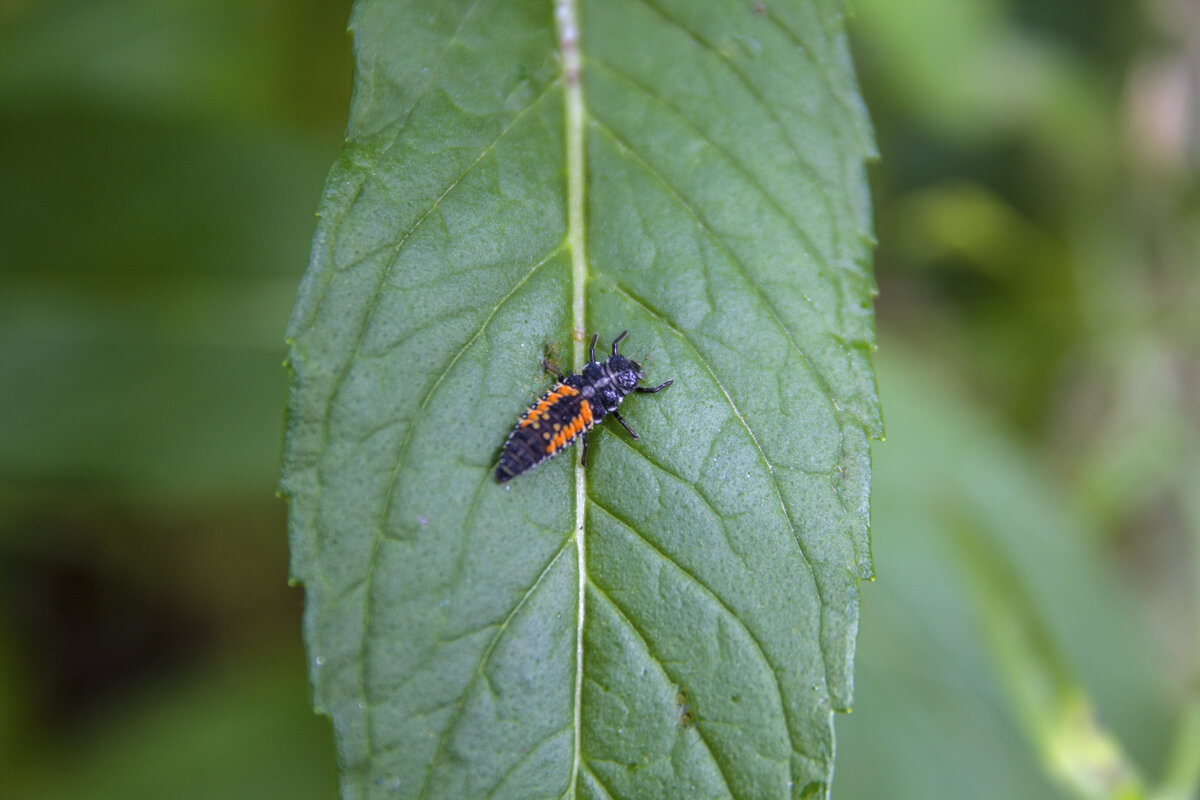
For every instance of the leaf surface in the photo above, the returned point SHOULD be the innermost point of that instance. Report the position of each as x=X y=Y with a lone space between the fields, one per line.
x=678 y=619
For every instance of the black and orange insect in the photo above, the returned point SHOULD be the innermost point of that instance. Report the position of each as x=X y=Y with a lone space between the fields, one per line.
x=575 y=405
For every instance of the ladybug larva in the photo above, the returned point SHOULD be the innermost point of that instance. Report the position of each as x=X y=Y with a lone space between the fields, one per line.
x=572 y=407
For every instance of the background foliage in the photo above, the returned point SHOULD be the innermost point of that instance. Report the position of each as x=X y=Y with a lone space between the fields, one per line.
x=1036 y=522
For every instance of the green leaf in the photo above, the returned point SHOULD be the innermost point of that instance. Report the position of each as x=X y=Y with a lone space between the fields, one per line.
x=678 y=619
x=236 y=728
x=157 y=384
x=935 y=718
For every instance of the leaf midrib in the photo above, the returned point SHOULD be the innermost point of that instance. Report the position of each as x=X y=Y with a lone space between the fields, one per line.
x=575 y=111
x=569 y=35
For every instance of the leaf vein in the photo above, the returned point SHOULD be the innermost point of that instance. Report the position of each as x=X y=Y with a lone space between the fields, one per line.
x=807 y=53
x=401 y=127
x=738 y=622
x=823 y=266
x=478 y=671
x=599 y=784
x=381 y=534
x=737 y=413
x=826 y=391
x=528 y=754
x=720 y=518
x=719 y=242
x=373 y=304
x=768 y=107
x=620 y=614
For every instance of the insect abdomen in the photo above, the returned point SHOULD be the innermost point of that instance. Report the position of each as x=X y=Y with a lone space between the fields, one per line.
x=546 y=429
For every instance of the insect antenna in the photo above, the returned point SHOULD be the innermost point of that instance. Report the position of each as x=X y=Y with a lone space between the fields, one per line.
x=618 y=340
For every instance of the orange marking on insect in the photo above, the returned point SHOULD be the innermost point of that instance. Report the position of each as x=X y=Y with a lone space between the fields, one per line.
x=560 y=439
x=565 y=434
x=559 y=392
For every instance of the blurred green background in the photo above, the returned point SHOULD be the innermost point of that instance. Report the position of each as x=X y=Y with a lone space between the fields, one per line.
x=1033 y=630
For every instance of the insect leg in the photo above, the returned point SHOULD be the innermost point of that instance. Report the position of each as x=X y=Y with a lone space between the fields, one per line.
x=624 y=424
x=659 y=388
x=592 y=349
x=617 y=341
x=583 y=458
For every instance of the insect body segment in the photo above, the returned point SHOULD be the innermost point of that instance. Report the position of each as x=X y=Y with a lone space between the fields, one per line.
x=555 y=396
x=575 y=405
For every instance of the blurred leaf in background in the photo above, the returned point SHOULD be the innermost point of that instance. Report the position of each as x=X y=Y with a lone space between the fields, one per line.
x=161 y=164
x=956 y=501
x=1039 y=221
